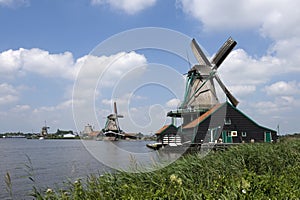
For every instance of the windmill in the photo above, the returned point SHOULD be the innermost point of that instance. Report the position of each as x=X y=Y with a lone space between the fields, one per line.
x=200 y=93
x=200 y=90
x=44 y=131
x=112 y=127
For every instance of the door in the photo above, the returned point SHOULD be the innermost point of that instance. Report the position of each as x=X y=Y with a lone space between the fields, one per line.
x=268 y=136
x=224 y=136
x=229 y=138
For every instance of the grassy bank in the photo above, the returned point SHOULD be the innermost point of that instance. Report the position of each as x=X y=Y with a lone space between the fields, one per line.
x=250 y=171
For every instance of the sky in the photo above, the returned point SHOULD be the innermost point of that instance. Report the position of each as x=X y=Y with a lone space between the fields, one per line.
x=57 y=63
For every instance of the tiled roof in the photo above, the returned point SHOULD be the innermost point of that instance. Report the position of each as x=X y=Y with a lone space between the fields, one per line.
x=200 y=119
x=162 y=129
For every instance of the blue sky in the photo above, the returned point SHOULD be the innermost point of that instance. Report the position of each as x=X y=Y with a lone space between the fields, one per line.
x=44 y=43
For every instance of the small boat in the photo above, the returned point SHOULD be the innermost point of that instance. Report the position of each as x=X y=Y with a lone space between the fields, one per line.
x=155 y=146
x=110 y=136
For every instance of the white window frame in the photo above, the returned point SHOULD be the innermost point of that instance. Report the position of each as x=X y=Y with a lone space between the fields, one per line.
x=227 y=121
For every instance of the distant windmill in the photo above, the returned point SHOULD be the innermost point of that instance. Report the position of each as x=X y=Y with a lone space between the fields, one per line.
x=112 y=126
x=44 y=131
x=200 y=90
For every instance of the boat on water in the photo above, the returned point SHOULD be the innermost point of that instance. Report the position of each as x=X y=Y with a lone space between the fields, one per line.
x=155 y=146
x=168 y=140
x=112 y=136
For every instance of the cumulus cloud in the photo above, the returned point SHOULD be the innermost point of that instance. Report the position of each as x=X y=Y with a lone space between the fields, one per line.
x=123 y=100
x=242 y=69
x=267 y=15
x=64 y=65
x=173 y=103
x=283 y=88
x=128 y=6
x=8 y=94
x=37 y=61
x=243 y=90
x=104 y=72
x=278 y=105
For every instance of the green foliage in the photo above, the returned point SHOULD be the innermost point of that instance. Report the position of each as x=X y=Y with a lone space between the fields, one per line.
x=248 y=171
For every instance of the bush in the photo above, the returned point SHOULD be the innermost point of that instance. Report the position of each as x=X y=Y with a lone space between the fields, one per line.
x=248 y=171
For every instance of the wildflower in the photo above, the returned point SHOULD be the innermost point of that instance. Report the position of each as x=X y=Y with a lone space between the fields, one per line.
x=175 y=179
x=179 y=181
x=244 y=191
x=66 y=193
x=49 y=190
x=77 y=182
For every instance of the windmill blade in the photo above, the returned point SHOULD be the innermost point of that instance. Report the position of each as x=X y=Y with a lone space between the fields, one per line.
x=115 y=108
x=223 y=52
x=231 y=98
x=117 y=116
x=200 y=56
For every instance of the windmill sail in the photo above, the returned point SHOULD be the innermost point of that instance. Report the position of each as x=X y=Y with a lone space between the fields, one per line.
x=231 y=98
x=200 y=56
x=223 y=52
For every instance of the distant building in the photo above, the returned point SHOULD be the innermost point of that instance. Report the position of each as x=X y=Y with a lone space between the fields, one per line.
x=88 y=129
x=69 y=135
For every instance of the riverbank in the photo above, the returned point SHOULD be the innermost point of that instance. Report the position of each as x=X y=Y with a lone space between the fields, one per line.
x=250 y=171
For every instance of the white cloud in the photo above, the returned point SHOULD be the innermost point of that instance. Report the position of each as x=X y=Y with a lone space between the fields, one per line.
x=37 y=61
x=21 y=108
x=103 y=72
x=128 y=6
x=8 y=94
x=63 y=65
x=283 y=88
x=173 y=103
x=241 y=69
x=14 y=3
x=65 y=105
x=280 y=104
x=275 y=18
x=243 y=90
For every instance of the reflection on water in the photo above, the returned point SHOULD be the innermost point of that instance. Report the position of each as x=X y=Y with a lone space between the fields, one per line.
x=51 y=162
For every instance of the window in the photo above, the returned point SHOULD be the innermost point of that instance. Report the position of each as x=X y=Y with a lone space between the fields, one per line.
x=233 y=133
x=227 y=121
x=244 y=134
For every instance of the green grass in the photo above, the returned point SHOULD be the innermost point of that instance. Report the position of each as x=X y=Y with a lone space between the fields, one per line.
x=249 y=171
